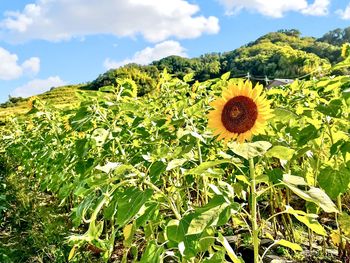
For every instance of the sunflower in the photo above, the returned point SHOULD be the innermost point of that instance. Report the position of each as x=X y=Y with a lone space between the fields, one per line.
x=240 y=113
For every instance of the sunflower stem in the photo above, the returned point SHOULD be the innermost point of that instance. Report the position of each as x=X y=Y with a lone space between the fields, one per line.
x=253 y=211
x=205 y=184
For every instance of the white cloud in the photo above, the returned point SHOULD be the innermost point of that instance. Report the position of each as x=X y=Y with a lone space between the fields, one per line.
x=344 y=14
x=10 y=69
x=276 y=8
x=318 y=8
x=156 y=20
x=31 y=66
x=149 y=54
x=37 y=86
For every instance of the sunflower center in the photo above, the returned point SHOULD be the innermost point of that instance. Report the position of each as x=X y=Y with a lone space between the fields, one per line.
x=239 y=114
x=235 y=112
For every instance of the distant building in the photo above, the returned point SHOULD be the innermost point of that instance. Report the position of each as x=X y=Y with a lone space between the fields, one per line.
x=279 y=82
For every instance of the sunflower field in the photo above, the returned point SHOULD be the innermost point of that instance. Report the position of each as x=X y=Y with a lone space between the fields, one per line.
x=144 y=179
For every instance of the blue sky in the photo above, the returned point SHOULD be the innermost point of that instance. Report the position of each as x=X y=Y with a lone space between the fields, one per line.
x=46 y=43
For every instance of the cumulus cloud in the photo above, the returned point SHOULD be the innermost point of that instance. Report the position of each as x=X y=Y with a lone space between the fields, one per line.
x=276 y=8
x=10 y=69
x=149 y=54
x=37 y=86
x=344 y=14
x=156 y=20
x=31 y=66
x=318 y=8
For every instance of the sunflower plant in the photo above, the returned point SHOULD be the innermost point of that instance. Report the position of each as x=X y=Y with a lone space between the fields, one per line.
x=240 y=113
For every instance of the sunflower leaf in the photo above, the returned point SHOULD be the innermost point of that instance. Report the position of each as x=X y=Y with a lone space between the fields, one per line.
x=250 y=150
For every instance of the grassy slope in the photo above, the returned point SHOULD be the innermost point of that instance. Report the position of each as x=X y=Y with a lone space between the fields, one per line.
x=61 y=97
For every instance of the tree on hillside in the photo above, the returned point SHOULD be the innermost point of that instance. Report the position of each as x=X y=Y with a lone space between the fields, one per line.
x=145 y=77
x=336 y=37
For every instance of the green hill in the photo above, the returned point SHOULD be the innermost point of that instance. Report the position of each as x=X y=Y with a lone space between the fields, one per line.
x=282 y=54
x=61 y=97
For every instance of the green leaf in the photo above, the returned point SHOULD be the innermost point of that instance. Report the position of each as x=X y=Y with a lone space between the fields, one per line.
x=203 y=167
x=229 y=250
x=275 y=175
x=312 y=223
x=308 y=219
x=217 y=257
x=283 y=115
x=207 y=215
x=342 y=146
x=189 y=77
x=108 y=167
x=344 y=222
x=130 y=202
x=175 y=231
x=315 y=195
x=335 y=148
x=334 y=182
x=346 y=96
x=147 y=212
x=225 y=76
x=206 y=240
x=95 y=229
x=175 y=163
x=152 y=253
x=280 y=152
x=128 y=232
x=156 y=169
x=333 y=109
x=292 y=179
x=249 y=150
x=285 y=243
x=307 y=134
x=320 y=198
x=100 y=135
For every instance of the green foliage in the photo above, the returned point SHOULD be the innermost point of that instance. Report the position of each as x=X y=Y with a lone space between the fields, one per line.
x=145 y=181
x=337 y=36
x=145 y=77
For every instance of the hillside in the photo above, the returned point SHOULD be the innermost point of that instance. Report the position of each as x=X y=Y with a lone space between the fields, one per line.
x=282 y=54
x=61 y=97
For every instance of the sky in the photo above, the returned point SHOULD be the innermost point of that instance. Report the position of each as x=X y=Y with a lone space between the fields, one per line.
x=49 y=43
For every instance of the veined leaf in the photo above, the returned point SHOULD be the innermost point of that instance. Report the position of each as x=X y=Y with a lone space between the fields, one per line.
x=344 y=221
x=208 y=215
x=249 y=150
x=315 y=195
x=225 y=76
x=152 y=253
x=128 y=232
x=229 y=250
x=333 y=109
x=130 y=202
x=288 y=244
x=292 y=179
x=283 y=115
x=203 y=167
x=175 y=231
x=280 y=152
x=334 y=182
x=175 y=163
